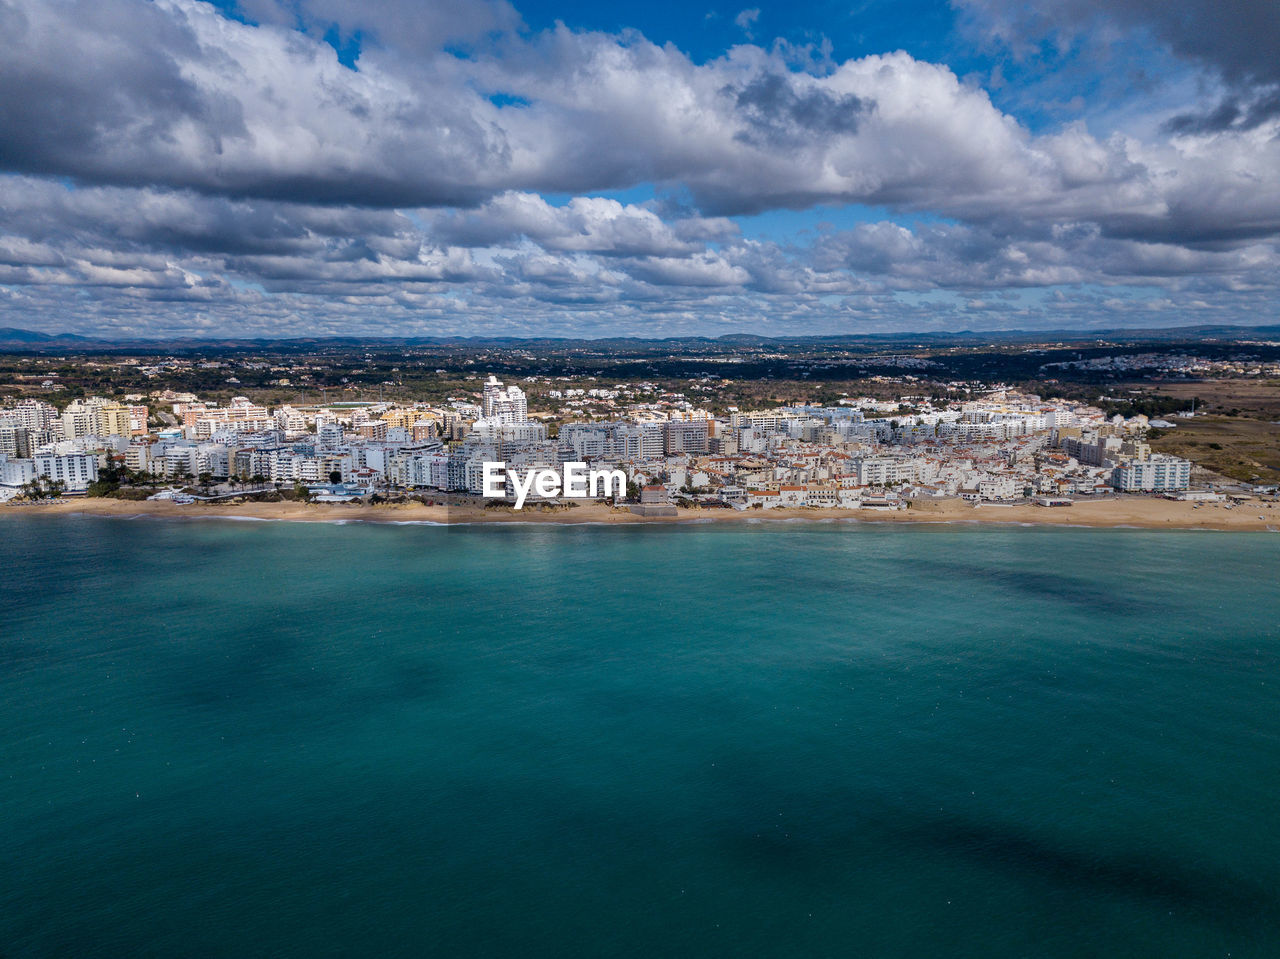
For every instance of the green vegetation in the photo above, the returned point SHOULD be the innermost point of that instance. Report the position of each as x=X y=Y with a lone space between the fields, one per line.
x=1237 y=447
x=734 y=371
x=1153 y=406
x=40 y=489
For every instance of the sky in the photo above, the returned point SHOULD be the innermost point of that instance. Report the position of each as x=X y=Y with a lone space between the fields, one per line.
x=419 y=168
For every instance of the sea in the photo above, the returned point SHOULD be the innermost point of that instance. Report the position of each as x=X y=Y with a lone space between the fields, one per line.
x=242 y=739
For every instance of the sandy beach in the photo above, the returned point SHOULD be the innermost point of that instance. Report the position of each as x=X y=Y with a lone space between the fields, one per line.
x=1148 y=513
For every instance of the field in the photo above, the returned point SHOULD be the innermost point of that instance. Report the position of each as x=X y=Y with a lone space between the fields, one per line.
x=1253 y=397
x=1239 y=434
x=1235 y=446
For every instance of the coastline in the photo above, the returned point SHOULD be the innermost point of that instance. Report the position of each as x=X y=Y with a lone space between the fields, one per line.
x=1144 y=513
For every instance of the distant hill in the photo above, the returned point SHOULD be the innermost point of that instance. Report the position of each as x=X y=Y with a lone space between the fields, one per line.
x=19 y=340
x=15 y=337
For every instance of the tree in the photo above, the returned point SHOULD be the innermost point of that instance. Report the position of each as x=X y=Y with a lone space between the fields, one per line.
x=41 y=488
x=335 y=477
x=101 y=487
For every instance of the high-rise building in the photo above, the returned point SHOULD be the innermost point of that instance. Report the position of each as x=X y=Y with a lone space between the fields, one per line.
x=329 y=436
x=33 y=415
x=115 y=419
x=507 y=405
x=1157 y=473
x=14 y=440
x=76 y=470
x=686 y=437
x=78 y=420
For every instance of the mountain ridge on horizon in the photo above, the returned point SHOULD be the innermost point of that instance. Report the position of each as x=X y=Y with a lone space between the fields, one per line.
x=12 y=337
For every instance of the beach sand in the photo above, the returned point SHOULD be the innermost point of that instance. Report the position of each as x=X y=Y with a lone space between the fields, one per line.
x=1144 y=512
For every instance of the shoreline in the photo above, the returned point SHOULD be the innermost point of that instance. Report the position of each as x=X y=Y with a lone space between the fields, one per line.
x=1141 y=513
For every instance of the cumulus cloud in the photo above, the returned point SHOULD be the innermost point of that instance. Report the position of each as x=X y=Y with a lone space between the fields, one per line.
x=1237 y=44
x=776 y=114
x=585 y=225
x=172 y=93
x=162 y=152
x=959 y=257
x=408 y=26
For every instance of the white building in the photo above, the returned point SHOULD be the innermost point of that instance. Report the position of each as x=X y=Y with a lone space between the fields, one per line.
x=75 y=470
x=639 y=441
x=329 y=436
x=997 y=488
x=138 y=457
x=16 y=472
x=79 y=420
x=882 y=470
x=507 y=405
x=33 y=415
x=686 y=437
x=494 y=429
x=589 y=441
x=214 y=459
x=181 y=461
x=422 y=469
x=1158 y=472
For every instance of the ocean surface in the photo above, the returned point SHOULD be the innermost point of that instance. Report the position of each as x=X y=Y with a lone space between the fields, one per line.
x=267 y=739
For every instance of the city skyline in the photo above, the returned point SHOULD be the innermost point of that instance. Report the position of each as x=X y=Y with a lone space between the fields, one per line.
x=549 y=169
x=656 y=447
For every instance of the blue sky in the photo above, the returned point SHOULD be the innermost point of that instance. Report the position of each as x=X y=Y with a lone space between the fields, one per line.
x=706 y=30
x=259 y=167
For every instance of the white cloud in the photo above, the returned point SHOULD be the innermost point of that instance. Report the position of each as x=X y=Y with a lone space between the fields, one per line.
x=209 y=156
x=583 y=225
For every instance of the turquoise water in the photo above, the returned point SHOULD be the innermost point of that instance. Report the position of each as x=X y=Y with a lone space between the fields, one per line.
x=264 y=739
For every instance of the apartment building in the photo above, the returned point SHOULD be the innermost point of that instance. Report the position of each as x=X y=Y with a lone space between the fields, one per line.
x=1157 y=473
x=74 y=470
